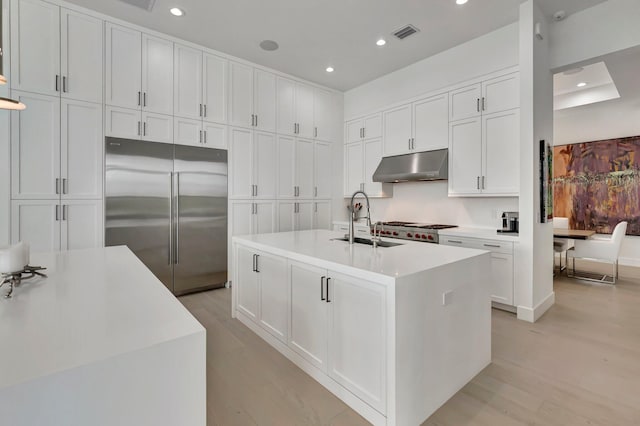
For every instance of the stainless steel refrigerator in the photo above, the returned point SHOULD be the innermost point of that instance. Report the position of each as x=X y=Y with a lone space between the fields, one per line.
x=168 y=204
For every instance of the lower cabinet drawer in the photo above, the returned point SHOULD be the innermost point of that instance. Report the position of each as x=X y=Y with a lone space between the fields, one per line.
x=494 y=246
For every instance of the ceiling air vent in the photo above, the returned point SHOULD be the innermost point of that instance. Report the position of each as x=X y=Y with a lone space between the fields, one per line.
x=142 y=4
x=405 y=31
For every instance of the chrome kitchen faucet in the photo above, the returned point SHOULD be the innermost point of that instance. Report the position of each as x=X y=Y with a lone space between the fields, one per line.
x=353 y=218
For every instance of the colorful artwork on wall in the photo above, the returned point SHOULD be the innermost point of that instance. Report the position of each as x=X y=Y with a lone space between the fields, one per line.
x=546 y=182
x=597 y=184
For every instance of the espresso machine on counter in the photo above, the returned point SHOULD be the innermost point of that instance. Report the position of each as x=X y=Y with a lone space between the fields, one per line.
x=510 y=224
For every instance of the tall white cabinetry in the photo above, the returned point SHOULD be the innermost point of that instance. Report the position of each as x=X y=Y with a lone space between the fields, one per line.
x=253 y=98
x=139 y=78
x=484 y=132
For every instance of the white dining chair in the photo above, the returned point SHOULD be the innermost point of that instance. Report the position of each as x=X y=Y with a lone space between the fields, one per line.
x=561 y=245
x=598 y=249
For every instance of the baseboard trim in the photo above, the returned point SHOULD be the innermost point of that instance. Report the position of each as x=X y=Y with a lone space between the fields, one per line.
x=532 y=315
x=629 y=261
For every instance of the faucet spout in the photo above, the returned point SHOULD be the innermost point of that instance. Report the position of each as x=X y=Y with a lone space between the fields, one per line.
x=353 y=217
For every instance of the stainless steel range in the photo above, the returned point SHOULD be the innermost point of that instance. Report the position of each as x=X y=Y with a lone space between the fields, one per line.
x=424 y=232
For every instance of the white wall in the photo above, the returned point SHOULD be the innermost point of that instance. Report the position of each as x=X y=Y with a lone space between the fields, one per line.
x=483 y=55
x=428 y=201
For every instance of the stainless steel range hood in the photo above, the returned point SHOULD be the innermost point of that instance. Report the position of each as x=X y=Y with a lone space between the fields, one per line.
x=418 y=166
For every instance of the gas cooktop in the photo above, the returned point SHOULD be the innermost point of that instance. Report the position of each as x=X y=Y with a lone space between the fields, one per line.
x=425 y=232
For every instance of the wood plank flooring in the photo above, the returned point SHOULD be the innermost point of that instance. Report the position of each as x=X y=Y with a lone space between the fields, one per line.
x=578 y=365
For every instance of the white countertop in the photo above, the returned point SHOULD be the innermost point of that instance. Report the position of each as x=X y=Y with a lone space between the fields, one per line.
x=358 y=259
x=93 y=305
x=484 y=233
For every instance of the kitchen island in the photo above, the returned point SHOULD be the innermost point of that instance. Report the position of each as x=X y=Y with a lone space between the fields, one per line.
x=99 y=341
x=392 y=331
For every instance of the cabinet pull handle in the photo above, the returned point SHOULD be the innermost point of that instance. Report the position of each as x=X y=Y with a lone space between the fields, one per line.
x=413 y=143
x=57 y=212
x=454 y=241
x=315 y=191
x=64 y=212
x=328 y=300
x=144 y=129
x=205 y=136
x=200 y=136
x=315 y=207
x=253 y=266
x=177 y=215
x=315 y=132
x=477 y=182
x=483 y=104
x=257 y=263
x=57 y=82
x=483 y=187
x=322 y=288
x=478 y=104
x=57 y=185
x=139 y=95
x=256 y=190
x=138 y=128
x=491 y=245
x=144 y=99
x=64 y=185
x=200 y=110
x=205 y=110
x=256 y=120
x=64 y=84
x=364 y=132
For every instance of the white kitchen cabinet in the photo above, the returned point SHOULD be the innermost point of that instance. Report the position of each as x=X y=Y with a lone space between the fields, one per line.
x=62 y=58
x=35 y=147
x=48 y=225
x=285 y=104
x=36 y=222
x=247 y=296
x=308 y=311
x=296 y=167
x=252 y=217
x=215 y=92
x=322 y=215
x=192 y=132
x=157 y=127
x=81 y=56
x=253 y=164
x=35 y=65
x=369 y=127
x=304 y=168
x=188 y=82
x=123 y=123
x=420 y=126
x=305 y=215
x=123 y=67
x=361 y=161
x=265 y=101
x=488 y=97
x=464 y=103
x=502 y=278
x=295 y=215
x=357 y=337
x=241 y=95
x=322 y=102
x=397 y=130
x=323 y=168
x=81 y=151
x=483 y=155
x=157 y=75
x=286 y=167
x=304 y=110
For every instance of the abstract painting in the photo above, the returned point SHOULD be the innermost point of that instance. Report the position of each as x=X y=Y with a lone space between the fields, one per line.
x=546 y=182
x=597 y=184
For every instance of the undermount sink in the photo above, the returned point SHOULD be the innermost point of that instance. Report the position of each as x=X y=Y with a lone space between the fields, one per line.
x=369 y=242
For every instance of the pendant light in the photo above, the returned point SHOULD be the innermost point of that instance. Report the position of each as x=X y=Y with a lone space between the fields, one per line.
x=6 y=103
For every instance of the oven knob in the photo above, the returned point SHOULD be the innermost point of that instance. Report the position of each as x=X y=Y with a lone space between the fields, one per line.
x=409 y=234
x=395 y=233
x=387 y=232
x=430 y=237
x=424 y=237
x=418 y=236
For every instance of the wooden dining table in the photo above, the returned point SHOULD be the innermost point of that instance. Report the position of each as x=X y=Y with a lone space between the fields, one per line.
x=574 y=234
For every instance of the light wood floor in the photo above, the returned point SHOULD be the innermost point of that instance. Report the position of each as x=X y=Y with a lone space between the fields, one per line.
x=578 y=365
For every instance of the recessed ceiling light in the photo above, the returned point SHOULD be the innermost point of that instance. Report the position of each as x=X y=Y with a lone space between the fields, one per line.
x=581 y=84
x=381 y=42
x=461 y=1
x=176 y=11
x=269 y=45
x=329 y=69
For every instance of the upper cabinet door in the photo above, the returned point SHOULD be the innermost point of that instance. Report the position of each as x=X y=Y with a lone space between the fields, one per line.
x=353 y=168
x=82 y=225
x=397 y=130
x=465 y=157
x=372 y=127
x=500 y=136
x=304 y=110
x=123 y=123
x=431 y=123
x=215 y=88
x=265 y=101
x=82 y=57
x=157 y=75
x=36 y=222
x=157 y=127
x=304 y=168
x=353 y=131
x=81 y=153
x=286 y=106
x=35 y=148
x=304 y=219
x=187 y=131
x=465 y=102
x=323 y=170
x=214 y=135
x=240 y=163
x=265 y=165
x=322 y=215
x=286 y=167
x=35 y=60
x=265 y=217
x=501 y=94
x=241 y=101
x=124 y=67
x=187 y=88
x=323 y=129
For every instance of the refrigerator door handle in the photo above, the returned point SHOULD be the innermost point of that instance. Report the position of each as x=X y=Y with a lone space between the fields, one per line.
x=177 y=243
x=170 y=218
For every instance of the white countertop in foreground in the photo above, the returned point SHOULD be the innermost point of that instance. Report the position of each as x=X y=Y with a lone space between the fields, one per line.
x=406 y=259
x=94 y=304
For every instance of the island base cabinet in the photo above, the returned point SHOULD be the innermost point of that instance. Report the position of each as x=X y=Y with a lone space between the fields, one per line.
x=262 y=290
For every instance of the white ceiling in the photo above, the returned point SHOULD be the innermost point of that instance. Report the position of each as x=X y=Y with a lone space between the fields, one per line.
x=598 y=86
x=314 y=34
